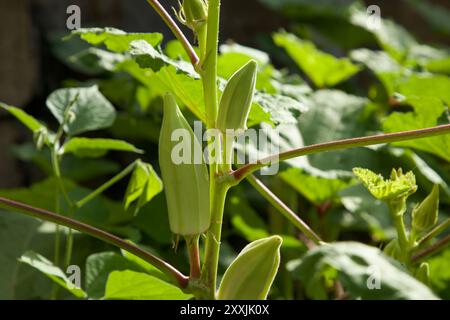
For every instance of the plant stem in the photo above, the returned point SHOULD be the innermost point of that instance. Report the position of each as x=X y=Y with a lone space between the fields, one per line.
x=434 y=232
x=284 y=209
x=244 y=171
x=434 y=248
x=107 y=185
x=61 y=188
x=402 y=236
x=176 y=30
x=212 y=250
x=209 y=65
x=165 y=267
x=194 y=257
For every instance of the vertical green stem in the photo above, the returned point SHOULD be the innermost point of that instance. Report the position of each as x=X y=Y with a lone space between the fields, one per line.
x=209 y=64
x=62 y=189
x=402 y=236
x=57 y=245
x=209 y=271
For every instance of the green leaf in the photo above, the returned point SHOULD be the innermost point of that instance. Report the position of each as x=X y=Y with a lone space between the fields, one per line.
x=358 y=267
x=81 y=109
x=27 y=120
x=427 y=111
x=440 y=274
x=322 y=68
x=93 y=148
x=397 y=41
x=149 y=57
x=251 y=226
x=56 y=274
x=371 y=214
x=143 y=186
x=399 y=186
x=100 y=265
x=277 y=108
x=130 y=285
x=316 y=189
x=188 y=90
x=114 y=39
x=93 y=61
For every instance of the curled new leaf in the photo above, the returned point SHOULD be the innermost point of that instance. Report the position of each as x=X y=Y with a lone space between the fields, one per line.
x=184 y=173
x=251 y=274
x=425 y=215
x=397 y=187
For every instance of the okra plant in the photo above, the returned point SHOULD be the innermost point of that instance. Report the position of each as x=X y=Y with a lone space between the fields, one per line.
x=197 y=177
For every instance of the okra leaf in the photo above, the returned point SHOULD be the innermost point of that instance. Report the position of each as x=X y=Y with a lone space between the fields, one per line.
x=187 y=89
x=364 y=271
x=397 y=41
x=398 y=186
x=251 y=226
x=369 y=214
x=29 y=121
x=143 y=186
x=81 y=109
x=322 y=68
x=277 y=108
x=100 y=265
x=93 y=148
x=316 y=189
x=94 y=61
x=114 y=39
x=149 y=57
x=53 y=272
x=130 y=285
x=440 y=274
x=427 y=112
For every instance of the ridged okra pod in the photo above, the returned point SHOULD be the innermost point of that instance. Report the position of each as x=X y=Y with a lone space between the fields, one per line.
x=184 y=173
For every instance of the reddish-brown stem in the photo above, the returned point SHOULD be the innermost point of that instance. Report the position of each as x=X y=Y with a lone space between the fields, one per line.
x=194 y=256
x=176 y=30
x=434 y=248
x=246 y=170
x=162 y=265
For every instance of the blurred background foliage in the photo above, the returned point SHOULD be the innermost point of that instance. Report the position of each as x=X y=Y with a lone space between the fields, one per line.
x=319 y=55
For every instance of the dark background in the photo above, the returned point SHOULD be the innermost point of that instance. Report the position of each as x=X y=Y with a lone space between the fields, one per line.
x=29 y=71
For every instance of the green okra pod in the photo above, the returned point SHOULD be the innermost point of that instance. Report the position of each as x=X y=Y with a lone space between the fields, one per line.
x=237 y=99
x=251 y=274
x=186 y=179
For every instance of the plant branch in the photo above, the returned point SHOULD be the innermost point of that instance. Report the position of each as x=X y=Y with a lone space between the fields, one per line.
x=165 y=267
x=176 y=31
x=107 y=185
x=246 y=170
x=434 y=248
x=284 y=209
x=434 y=232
